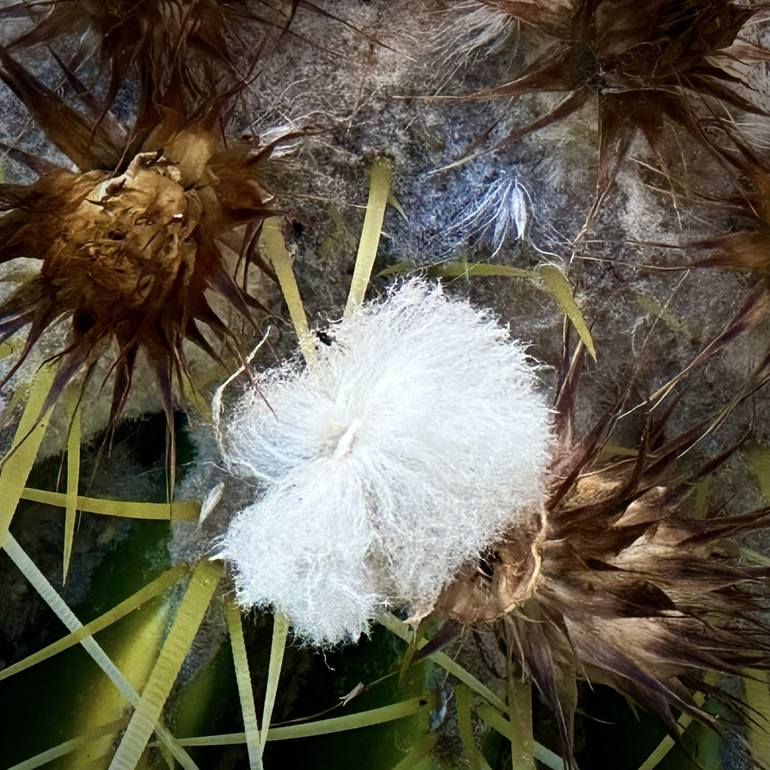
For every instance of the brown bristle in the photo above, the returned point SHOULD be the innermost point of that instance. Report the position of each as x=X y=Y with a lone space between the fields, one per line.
x=747 y=249
x=647 y=64
x=157 y=38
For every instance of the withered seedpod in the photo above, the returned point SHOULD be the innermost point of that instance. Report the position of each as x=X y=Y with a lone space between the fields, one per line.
x=132 y=241
x=647 y=64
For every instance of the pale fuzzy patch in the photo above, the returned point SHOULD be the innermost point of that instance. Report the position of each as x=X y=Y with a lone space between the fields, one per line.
x=411 y=443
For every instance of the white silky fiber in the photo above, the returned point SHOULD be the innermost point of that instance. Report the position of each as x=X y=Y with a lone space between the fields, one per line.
x=412 y=441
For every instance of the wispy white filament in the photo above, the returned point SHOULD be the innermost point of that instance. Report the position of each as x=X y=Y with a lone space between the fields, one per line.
x=472 y=28
x=397 y=456
x=501 y=214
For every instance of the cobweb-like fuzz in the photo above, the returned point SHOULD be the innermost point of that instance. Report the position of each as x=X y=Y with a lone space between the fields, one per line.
x=412 y=441
x=470 y=29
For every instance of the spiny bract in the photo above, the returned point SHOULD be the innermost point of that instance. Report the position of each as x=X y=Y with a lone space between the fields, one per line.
x=412 y=441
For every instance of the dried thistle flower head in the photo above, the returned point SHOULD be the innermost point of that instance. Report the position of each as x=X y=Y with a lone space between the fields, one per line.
x=195 y=39
x=130 y=244
x=647 y=64
x=616 y=584
x=412 y=441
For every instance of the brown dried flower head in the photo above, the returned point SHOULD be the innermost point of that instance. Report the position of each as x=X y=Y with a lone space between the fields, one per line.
x=646 y=63
x=615 y=583
x=130 y=243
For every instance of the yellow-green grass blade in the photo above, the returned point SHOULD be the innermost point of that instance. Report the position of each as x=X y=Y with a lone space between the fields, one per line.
x=73 y=744
x=703 y=490
x=402 y=630
x=9 y=347
x=362 y=719
x=168 y=757
x=396 y=204
x=189 y=616
x=547 y=277
x=557 y=285
x=20 y=396
x=133 y=602
x=18 y=462
x=60 y=608
x=179 y=510
x=464 y=269
x=420 y=749
x=522 y=739
x=274 y=246
x=277 y=649
x=379 y=193
x=245 y=690
x=406 y=661
x=652 y=306
x=464 y=706
x=497 y=721
x=133 y=648
x=73 y=477
x=754 y=556
x=193 y=396
x=757 y=688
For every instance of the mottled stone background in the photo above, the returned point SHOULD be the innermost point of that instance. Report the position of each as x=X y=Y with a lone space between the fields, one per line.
x=369 y=90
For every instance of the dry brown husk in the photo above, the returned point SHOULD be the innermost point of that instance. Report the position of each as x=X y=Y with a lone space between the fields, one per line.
x=615 y=583
x=131 y=243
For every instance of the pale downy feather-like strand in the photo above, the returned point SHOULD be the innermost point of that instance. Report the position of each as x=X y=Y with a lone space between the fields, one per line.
x=406 y=448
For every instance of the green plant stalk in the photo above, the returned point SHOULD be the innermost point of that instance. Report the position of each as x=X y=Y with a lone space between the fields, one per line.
x=73 y=478
x=187 y=621
x=277 y=649
x=57 y=752
x=400 y=629
x=245 y=691
x=187 y=510
x=49 y=595
x=18 y=462
x=522 y=740
x=357 y=721
x=275 y=247
x=463 y=704
x=498 y=722
x=379 y=193
x=421 y=749
x=133 y=602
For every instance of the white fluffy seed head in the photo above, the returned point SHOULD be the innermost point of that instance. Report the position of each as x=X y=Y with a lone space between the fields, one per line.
x=406 y=448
